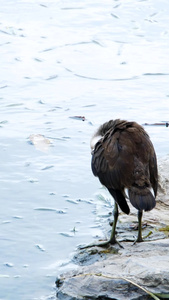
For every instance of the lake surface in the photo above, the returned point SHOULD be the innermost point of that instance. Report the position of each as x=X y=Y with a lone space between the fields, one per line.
x=61 y=61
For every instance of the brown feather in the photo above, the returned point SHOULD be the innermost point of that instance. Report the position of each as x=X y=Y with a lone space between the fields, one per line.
x=125 y=158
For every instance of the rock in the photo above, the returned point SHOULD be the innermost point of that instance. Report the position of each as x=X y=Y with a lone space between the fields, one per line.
x=133 y=272
x=145 y=264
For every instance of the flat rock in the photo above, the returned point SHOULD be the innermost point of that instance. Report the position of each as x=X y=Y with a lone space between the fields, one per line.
x=133 y=272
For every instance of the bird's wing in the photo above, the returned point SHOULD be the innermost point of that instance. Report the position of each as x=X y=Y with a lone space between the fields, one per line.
x=112 y=160
x=109 y=166
x=121 y=157
x=125 y=157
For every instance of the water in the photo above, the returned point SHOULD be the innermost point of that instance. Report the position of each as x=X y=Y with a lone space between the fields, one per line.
x=61 y=61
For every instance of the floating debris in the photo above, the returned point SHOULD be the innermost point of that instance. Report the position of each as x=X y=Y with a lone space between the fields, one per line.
x=4 y=122
x=10 y=265
x=43 y=5
x=52 y=77
x=82 y=118
x=25 y=266
x=47 y=168
x=58 y=211
x=65 y=196
x=6 y=222
x=33 y=180
x=41 y=102
x=72 y=201
x=45 y=209
x=114 y=16
x=74 y=230
x=40 y=142
x=66 y=234
x=3 y=86
x=38 y=59
x=18 y=217
x=163 y=123
x=40 y=247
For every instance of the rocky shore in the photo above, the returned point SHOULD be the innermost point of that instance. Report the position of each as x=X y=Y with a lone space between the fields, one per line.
x=136 y=271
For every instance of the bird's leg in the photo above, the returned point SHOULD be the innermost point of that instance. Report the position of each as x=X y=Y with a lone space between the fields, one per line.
x=139 y=238
x=112 y=239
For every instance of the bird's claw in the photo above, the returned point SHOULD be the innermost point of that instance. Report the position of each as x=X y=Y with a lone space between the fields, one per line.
x=102 y=244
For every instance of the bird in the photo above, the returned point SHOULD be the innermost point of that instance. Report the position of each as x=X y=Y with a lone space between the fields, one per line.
x=124 y=160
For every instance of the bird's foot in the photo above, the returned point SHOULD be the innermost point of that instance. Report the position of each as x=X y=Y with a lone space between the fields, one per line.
x=102 y=244
x=140 y=239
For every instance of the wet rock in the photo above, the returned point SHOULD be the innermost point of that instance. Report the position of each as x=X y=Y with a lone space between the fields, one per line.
x=89 y=256
x=101 y=289
x=122 y=275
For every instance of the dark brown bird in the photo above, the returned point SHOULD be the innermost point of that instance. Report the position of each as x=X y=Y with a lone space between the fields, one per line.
x=124 y=160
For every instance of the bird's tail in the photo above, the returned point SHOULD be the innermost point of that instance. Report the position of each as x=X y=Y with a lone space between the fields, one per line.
x=142 y=198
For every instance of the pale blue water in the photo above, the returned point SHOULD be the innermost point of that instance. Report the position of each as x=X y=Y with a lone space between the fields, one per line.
x=61 y=59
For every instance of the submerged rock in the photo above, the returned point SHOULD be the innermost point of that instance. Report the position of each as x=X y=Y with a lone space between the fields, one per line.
x=131 y=273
